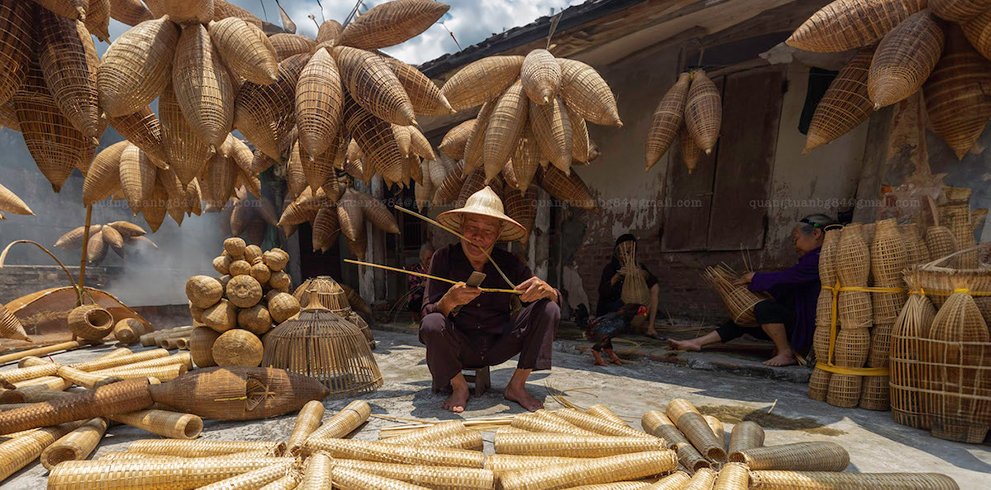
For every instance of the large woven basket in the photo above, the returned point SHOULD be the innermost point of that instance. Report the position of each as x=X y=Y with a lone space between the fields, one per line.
x=668 y=117
x=703 y=112
x=850 y=24
x=911 y=327
x=587 y=94
x=481 y=81
x=955 y=100
x=939 y=282
x=905 y=58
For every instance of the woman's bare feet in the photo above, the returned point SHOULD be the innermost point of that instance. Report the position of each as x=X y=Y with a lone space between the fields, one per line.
x=686 y=345
x=782 y=359
x=519 y=395
x=457 y=401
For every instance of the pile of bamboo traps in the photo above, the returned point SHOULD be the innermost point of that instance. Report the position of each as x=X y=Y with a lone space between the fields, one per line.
x=692 y=111
x=248 y=216
x=232 y=313
x=532 y=126
x=10 y=203
x=102 y=238
x=738 y=299
x=904 y=47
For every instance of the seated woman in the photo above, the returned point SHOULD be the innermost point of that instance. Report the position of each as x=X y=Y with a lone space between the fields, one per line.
x=788 y=320
x=611 y=284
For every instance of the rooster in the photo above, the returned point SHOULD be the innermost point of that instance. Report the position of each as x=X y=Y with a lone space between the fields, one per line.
x=602 y=329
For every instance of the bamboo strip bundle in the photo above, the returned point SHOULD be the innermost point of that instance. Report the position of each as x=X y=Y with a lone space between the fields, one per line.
x=592 y=471
x=905 y=58
x=481 y=81
x=913 y=324
x=203 y=448
x=307 y=421
x=603 y=412
x=391 y=453
x=254 y=479
x=745 y=435
x=392 y=23
x=849 y=24
x=825 y=480
x=695 y=428
x=436 y=477
x=112 y=475
x=704 y=478
x=807 y=456
x=544 y=423
x=732 y=476
x=668 y=117
x=587 y=94
x=76 y=445
x=136 y=67
x=551 y=444
x=954 y=99
x=122 y=397
x=437 y=431
x=17 y=453
x=604 y=427
x=184 y=360
x=164 y=423
x=658 y=424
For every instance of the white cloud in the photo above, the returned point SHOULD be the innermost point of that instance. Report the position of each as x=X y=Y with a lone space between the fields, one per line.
x=472 y=21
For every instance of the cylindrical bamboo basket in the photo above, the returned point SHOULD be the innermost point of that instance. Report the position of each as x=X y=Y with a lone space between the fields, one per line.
x=550 y=444
x=732 y=476
x=800 y=456
x=471 y=439
x=344 y=422
x=128 y=330
x=913 y=324
x=745 y=435
x=17 y=453
x=826 y=480
x=597 y=425
x=148 y=339
x=658 y=424
x=238 y=348
x=76 y=445
x=161 y=373
x=203 y=448
x=173 y=425
x=255 y=478
x=844 y=390
x=307 y=421
x=113 y=362
x=352 y=479
x=690 y=458
x=106 y=475
x=32 y=372
x=695 y=428
x=592 y=471
x=876 y=393
x=317 y=474
x=184 y=359
x=674 y=481
x=544 y=422
x=603 y=412
x=122 y=397
x=90 y=322
x=436 y=477
x=53 y=382
x=505 y=463
x=717 y=429
x=84 y=379
x=391 y=453
x=703 y=479
x=434 y=432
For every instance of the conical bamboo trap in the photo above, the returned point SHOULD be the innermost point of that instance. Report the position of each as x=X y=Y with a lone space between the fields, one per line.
x=739 y=300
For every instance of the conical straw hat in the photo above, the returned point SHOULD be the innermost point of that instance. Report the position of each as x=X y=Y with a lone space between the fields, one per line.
x=484 y=203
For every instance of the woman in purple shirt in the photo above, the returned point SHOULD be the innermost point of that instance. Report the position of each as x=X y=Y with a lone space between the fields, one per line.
x=788 y=320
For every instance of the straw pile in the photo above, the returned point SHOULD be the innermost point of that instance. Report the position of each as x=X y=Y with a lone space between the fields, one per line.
x=103 y=238
x=248 y=300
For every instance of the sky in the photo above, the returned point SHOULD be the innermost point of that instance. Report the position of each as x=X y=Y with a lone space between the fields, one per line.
x=471 y=21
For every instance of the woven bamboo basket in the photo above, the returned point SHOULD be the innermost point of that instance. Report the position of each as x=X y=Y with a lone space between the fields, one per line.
x=135 y=474
x=375 y=212
x=852 y=257
x=287 y=45
x=188 y=11
x=570 y=189
x=939 y=282
x=635 y=289
x=581 y=145
x=587 y=94
x=317 y=474
x=238 y=348
x=658 y=424
x=703 y=478
x=43 y=368
x=376 y=140
x=137 y=177
x=62 y=57
x=184 y=360
x=880 y=345
x=263 y=113
x=391 y=23
x=84 y=379
x=801 y=456
x=307 y=421
x=51 y=382
x=344 y=422
x=244 y=291
x=424 y=94
x=888 y=255
x=854 y=310
x=203 y=448
x=392 y=453
x=827 y=256
x=978 y=32
x=234 y=247
x=905 y=58
x=674 y=481
x=19 y=452
x=255 y=478
x=913 y=324
x=844 y=390
x=695 y=428
x=824 y=311
x=552 y=131
x=592 y=471
x=136 y=67
x=16 y=21
x=599 y=425
x=668 y=118
x=187 y=153
x=954 y=99
x=276 y=259
x=173 y=425
x=475 y=146
x=352 y=479
x=76 y=445
x=453 y=144
x=90 y=322
x=203 y=86
x=471 y=440
x=745 y=435
x=915 y=244
x=885 y=306
x=548 y=424
x=739 y=300
x=959 y=11
x=703 y=112
x=319 y=103
x=541 y=76
x=956 y=217
x=523 y=209
x=245 y=50
x=221 y=316
x=567 y=445
x=852 y=347
x=603 y=412
x=350 y=214
x=437 y=431
x=130 y=12
x=103 y=178
x=113 y=362
x=282 y=307
x=850 y=24
x=96 y=249
x=203 y=291
x=501 y=464
x=717 y=429
x=142 y=129
x=732 y=476
x=223 y=9
x=288 y=482
x=121 y=397
x=256 y=319
x=10 y=326
x=781 y=480
x=329 y=31
x=437 y=477
x=98 y=19
x=876 y=393
x=505 y=129
x=481 y=81
x=260 y=271
x=940 y=242
x=373 y=85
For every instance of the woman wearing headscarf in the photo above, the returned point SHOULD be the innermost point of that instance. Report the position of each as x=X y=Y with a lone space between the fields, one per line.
x=613 y=278
x=788 y=319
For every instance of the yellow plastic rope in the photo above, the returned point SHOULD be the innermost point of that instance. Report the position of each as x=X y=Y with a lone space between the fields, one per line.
x=428 y=276
x=829 y=366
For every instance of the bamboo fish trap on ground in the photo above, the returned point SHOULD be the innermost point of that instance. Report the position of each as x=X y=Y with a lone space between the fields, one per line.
x=739 y=300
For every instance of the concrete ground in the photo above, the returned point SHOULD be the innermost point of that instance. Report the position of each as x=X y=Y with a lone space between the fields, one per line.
x=875 y=442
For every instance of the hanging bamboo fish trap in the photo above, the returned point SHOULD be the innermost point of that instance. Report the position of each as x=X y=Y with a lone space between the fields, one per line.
x=850 y=24
x=845 y=105
x=739 y=300
x=668 y=117
x=905 y=58
x=955 y=100
x=320 y=344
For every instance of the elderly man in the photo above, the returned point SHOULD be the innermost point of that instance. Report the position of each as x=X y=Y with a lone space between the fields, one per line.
x=483 y=332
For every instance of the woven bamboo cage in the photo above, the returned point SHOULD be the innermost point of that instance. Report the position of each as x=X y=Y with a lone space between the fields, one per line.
x=880 y=344
x=437 y=477
x=282 y=307
x=587 y=94
x=598 y=425
x=137 y=177
x=90 y=322
x=852 y=347
x=373 y=85
x=121 y=397
x=471 y=439
x=329 y=30
x=264 y=113
x=173 y=425
x=187 y=153
x=190 y=473
x=424 y=95
x=481 y=81
x=850 y=24
x=238 y=348
x=807 y=456
x=852 y=257
x=957 y=218
x=238 y=393
x=10 y=326
x=635 y=290
x=136 y=67
x=255 y=478
x=505 y=129
x=453 y=144
x=703 y=112
x=978 y=32
x=16 y=29
x=959 y=11
x=940 y=242
x=76 y=445
x=245 y=50
x=552 y=130
x=376 y=140
x=287 y=45
x=940 y=281
x=319 y=97
x=288 y=482
x=188 y=11
x=824 y=312
x=19 y=452
x=592 y=471
x=695 y=428
x=130 y=12
x=523 y=209
x=581 y=145
x=888 y=255
x=570 y=189
x=221 y=316
x=955 y=102
x=912 y=325
x=374 y=211
x=203 y=448
x=541 y=76
x=780 y=480
x=567 y=445
x=875 y=393
x=317 y=474
x=98 y=19
x=43 y=368
x=392 y=23
x=184 y=360
x=844 y=390
x=203 y=86
x=392 y=453
x=62 y=57
x=501 y=464
x=475 y=146
x=739 y=300
x=668 y=117
x=905 y=58
x=142 y=129
x=103 y=178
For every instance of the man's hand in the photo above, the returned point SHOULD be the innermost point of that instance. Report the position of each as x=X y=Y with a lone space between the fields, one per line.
x=458 y=295
x=745 y=279
x=535 y=289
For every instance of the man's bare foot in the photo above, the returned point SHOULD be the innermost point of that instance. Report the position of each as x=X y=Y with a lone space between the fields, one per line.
x=519 y=395
x=782 y=359
x=687 y=345
x=598 y=359
x=457 y=401
x=614 y=358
